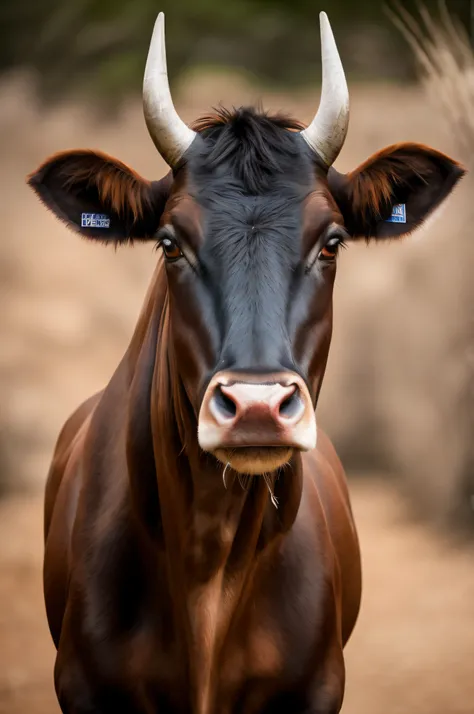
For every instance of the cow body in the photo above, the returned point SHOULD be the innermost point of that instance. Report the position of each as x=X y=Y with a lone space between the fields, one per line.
x=250 y=614
x=201 y=556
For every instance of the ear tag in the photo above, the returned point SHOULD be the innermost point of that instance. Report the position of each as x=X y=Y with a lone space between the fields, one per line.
x=95 y=220
x=399 y=214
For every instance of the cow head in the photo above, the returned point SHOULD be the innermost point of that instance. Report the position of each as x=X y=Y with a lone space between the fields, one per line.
x=250 y=221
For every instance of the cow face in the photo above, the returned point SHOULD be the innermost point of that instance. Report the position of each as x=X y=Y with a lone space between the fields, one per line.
x=250 y=228
x=250 y=223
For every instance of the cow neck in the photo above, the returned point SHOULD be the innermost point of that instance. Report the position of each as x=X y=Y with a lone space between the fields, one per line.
x=209 y=537
x=212 y=527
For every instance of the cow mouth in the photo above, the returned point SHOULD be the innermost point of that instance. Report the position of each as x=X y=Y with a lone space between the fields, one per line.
x=255 y=460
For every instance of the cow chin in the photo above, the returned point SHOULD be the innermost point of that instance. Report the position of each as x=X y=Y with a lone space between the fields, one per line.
x=255 y=460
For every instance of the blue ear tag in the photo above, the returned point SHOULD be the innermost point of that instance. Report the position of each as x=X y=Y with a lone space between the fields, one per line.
x=95 y=220
x=399 y=214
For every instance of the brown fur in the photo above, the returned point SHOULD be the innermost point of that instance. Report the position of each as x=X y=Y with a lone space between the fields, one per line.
x=373 y=183
x=167 y=590
x=120 y=188
x=217 y=567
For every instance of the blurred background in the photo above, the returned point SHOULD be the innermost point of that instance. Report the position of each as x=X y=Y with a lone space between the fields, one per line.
x=399 y=393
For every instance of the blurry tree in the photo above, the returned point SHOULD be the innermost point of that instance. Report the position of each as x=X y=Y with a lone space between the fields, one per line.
x=101 y=45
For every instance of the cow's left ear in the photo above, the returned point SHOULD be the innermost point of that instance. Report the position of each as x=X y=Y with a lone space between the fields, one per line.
x=394 y=191
x=100 y=197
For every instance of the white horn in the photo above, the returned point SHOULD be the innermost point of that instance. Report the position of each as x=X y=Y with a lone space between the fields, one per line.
x=327 y=132
x=170 y=134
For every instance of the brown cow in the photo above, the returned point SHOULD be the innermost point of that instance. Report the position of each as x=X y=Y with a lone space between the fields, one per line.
x=201 y=555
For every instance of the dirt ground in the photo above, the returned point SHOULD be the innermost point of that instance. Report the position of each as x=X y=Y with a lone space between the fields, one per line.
x=412 y=651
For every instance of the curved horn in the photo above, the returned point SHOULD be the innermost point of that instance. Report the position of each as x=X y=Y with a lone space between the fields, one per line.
x=327 y=132
x=170 y=134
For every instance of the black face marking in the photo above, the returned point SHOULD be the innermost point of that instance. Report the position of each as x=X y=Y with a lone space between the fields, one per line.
x=250 y=178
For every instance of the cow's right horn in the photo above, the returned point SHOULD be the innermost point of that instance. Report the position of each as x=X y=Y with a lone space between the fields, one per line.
x=170 y=134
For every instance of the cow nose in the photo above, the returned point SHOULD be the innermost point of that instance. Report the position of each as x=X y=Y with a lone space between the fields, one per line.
x=275 y=405
x=241 y=411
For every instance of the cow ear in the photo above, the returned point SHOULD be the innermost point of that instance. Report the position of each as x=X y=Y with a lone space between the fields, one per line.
x=99 y=197
x=394 y=191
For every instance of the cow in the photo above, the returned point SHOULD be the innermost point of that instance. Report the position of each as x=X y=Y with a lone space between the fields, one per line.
x=200 y=551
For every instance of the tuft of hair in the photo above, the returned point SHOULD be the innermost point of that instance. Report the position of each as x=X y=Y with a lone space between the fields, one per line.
x=119 y=187
x=389 y=174
x=253 y=144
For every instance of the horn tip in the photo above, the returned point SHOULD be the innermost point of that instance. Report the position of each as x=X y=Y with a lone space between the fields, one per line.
x=324 y=24
x=324 y=20
x=160 y=20
x=159 y=27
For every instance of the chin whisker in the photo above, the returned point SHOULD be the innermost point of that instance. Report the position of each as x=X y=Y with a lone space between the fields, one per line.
x=283 y=467
x=268 y=480
x=223 y=475
x=244 y=480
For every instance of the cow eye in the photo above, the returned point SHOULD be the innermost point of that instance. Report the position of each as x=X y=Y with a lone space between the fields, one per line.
x=330 y=250
x=171 y=248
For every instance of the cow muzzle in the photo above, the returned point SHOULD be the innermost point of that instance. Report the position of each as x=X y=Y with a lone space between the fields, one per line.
x=255 y=422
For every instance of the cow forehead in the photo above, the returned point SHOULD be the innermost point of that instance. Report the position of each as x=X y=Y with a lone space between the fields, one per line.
x=210 y=217
x=249 y=172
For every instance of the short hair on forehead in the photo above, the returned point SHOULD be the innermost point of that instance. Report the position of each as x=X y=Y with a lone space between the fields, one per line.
x=250 y=147
x=222 y=117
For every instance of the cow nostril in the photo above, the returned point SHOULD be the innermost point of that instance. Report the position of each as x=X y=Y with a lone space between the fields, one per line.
x=292 y=405
x=224 y=404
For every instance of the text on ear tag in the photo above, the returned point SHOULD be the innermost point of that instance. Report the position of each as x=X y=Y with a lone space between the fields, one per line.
x=399 y=214
x=95 y=220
